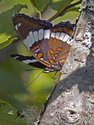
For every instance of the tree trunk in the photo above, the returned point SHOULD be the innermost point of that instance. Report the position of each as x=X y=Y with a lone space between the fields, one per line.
x=72 y=102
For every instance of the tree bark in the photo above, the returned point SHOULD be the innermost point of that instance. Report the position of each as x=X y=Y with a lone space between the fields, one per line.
x=72 y=102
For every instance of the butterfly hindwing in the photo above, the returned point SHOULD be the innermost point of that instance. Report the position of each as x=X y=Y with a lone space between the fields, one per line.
x=59 y=44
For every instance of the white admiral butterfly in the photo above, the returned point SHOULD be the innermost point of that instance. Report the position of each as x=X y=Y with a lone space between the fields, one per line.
x=49 y=44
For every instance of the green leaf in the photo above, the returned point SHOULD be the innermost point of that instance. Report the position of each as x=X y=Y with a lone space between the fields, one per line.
x=19 y=105
x=5 y=40
x=71 y=16
x=59 y=5
x=73 y=9
x=10 y=83
x=6 y=26
x=73 y=6
x=8 y=115
x=37 y=88
x=40 y=5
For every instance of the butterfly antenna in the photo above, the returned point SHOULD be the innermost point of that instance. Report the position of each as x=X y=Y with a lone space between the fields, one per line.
x=31 y=69
x=34 y=79
x=53 y=75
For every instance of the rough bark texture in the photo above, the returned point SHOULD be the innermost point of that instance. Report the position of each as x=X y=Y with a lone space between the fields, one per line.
x=72 y=102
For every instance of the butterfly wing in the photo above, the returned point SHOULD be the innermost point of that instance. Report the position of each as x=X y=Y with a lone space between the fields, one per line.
x=30 y=60
x=35 y=34
x=60 y=43
x=48 y=44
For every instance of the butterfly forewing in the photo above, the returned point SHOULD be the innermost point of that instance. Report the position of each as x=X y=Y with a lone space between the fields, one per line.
x=34 y=33
x=30 y=29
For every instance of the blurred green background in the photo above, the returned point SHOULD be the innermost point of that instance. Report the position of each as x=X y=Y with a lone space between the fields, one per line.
x=22 y=85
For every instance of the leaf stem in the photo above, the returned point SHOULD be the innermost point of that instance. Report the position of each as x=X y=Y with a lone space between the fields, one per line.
x=63 y=11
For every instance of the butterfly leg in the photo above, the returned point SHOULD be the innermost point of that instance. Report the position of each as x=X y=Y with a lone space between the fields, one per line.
x=46 y=70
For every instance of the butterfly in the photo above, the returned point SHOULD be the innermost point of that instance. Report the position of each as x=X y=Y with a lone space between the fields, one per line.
x=49 y=44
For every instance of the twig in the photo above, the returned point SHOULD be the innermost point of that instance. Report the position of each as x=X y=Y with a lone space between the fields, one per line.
x=63 y=11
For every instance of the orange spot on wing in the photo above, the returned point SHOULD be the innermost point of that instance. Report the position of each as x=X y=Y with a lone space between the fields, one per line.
x=51 y=51
x=56 y=55
x=51 y=61
x=39 y=55
x=62 y=61
x=59 y=49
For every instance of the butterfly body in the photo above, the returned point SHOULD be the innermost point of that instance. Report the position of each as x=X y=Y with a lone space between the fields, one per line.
x=48 y=44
